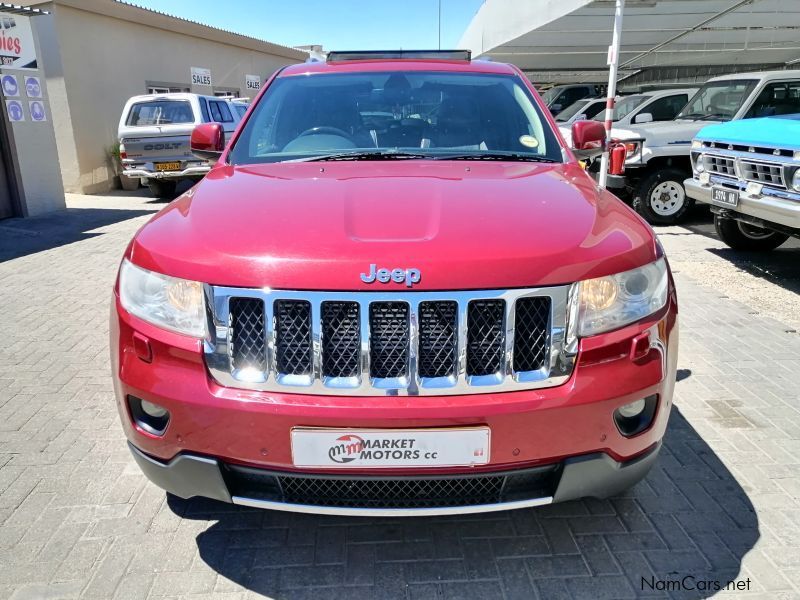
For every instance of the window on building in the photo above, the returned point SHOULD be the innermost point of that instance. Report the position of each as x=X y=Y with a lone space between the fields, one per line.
x=166 y=89
x=226 y=93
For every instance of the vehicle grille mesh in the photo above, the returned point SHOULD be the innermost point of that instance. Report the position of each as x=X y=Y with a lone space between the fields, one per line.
x=293 y=337
x=720 y=165
x=341 y=339
x=388 y=492
x=766 y=174
x=248 y=335
x=388 y=339
x=362 y=344
x=438 y=338
x=531 y=328
x=485 y=337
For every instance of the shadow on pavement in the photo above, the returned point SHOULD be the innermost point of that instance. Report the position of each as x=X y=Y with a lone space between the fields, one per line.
x=689 y=517
x=20 y=237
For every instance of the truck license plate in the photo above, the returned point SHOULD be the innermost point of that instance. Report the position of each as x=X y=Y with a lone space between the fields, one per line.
x=168 y=166
x=724 y=196
x=389 y=448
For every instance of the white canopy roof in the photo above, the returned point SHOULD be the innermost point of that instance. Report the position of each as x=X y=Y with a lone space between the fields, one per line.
x=567 y=40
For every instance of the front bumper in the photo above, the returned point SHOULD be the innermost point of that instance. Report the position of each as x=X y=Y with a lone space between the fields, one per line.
x=770 y=206
x=570 y=427
x=596 y=475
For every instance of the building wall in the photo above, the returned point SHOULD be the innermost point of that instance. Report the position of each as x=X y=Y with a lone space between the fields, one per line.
x=96 y=62
x=35 y=164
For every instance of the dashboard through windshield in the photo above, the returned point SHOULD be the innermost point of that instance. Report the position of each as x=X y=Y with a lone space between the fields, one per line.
x=409 y=114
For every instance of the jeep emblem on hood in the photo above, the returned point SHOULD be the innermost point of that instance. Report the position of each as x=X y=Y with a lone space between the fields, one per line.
x=409 y=276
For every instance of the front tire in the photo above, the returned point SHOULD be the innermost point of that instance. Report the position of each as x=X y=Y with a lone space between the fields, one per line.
x=743 y=236
x=162 y=189
x=661 y=198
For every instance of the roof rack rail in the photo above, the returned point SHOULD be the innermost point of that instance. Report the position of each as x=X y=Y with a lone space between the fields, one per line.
x=461 y=55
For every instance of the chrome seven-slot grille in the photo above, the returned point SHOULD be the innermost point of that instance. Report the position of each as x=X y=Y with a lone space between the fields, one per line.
x=758 y=165
x=362 y=343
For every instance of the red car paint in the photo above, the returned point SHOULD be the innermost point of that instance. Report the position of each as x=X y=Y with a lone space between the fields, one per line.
x=464 y=225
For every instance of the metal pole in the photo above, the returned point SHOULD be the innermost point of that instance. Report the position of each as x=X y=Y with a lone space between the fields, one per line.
x=613 y=61
x=440 y=24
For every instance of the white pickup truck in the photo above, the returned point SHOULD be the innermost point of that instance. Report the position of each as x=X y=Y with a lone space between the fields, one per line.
x=154 y=132
x=658 y=161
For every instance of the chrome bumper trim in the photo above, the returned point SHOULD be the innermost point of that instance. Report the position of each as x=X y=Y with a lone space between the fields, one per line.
x=188 y=172
x=391 y=512
x=767 y=207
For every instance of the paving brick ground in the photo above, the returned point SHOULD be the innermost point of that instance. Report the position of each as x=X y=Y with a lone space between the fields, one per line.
x=77 y=519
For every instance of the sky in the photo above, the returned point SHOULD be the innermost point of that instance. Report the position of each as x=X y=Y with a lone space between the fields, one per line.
x=336 y=24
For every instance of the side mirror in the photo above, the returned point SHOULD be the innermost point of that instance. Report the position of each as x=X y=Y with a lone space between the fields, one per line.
x=643 y=118
x=555 y=108
x=580 y=117
x=588 y=138
x=207 y=141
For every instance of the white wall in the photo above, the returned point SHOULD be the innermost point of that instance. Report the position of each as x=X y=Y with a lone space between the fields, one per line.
x=96 y=62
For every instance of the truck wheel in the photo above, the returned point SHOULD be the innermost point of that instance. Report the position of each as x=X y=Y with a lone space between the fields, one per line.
x=161 y=189
x=743 y=236
x=661 y=198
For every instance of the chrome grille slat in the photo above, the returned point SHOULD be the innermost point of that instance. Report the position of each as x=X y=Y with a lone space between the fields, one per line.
x=327 y=343
x=389 y=340
x=762 y=172
x=293 y=340
x=486 y=336
x=719 y=165
x=438 y=338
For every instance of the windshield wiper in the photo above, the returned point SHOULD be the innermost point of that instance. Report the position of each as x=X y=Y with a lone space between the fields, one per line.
x=495 y=156
x=702 y=116
x=362 y=155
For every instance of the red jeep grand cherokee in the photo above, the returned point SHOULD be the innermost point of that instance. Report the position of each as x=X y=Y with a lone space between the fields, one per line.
x=396 y=293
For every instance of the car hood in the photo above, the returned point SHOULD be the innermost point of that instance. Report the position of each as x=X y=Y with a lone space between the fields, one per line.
x=782 y=131
x=663 y=133
x=463 y=225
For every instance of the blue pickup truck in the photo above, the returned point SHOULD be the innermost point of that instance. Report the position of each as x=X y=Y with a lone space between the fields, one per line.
x=749 y=172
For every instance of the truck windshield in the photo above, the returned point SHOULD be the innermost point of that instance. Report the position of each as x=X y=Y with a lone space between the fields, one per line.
x=622 y=108
x=392 y=115
x=160 y=112
x=572 y=110
x=718 y=100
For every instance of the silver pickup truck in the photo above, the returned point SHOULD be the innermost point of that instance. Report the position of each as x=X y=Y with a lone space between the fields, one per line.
x=154 y=133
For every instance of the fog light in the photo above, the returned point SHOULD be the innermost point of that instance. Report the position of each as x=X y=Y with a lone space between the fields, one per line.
x=635 y=417
x=148 y=416
x=156 y=411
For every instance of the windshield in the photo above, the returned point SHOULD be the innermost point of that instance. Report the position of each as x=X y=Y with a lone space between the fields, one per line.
x=718 y=100
x=622 y=108
x=160 y=112
x=572 y=110
x=550 y=95
x=432 y=114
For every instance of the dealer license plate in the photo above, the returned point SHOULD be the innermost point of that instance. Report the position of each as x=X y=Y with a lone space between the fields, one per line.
x=168 y=166
x=724 y=196
x=389 y=448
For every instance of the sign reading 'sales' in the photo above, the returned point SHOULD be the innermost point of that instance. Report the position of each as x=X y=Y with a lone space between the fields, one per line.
x=253 y=82
x=201 y=76
x=17 y=50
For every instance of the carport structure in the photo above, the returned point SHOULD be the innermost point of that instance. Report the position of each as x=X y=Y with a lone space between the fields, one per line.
x=663 y=41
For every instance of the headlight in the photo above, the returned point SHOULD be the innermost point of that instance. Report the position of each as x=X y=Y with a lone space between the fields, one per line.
x=796 y=180
x=698 y=163
x=696 y=144
x=168 y=302
x=611 y=302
